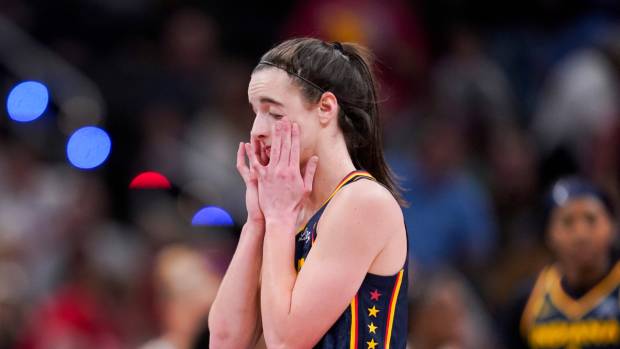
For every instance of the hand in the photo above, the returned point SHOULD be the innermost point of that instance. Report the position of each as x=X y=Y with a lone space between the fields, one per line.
x=281 y=186
x=250 y=179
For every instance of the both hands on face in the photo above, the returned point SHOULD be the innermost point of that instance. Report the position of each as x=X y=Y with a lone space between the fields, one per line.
x=275 y=187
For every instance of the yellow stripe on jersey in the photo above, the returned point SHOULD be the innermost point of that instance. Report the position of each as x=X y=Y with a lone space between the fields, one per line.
x=393 y=301
x=534 y=303
x=338 y=187
x=353 y=334
x=576 y=309
x=345 y=181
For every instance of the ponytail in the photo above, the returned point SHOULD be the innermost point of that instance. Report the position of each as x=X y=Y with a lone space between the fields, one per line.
x=365 y=137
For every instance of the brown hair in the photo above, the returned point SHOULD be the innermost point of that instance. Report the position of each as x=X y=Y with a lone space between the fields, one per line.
x=345 y=69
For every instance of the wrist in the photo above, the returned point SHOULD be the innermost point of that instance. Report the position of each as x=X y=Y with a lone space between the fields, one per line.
x=255 y=221
x=253 y=228
x=280 y=224
x=281 y=216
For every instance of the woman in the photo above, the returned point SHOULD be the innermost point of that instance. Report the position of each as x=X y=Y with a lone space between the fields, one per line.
x=575 y=301
x=316 y=162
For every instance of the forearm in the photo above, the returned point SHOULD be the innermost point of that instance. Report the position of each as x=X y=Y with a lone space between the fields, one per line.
x=234 y=314
x=278 y=280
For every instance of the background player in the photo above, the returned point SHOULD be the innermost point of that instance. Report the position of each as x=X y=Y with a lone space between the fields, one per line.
x=575 y=301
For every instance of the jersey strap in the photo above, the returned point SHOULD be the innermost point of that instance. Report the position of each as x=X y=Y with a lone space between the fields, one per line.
x=350 y=178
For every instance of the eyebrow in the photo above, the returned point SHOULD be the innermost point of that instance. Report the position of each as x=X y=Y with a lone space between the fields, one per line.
x=270 y=100
x=266 y=100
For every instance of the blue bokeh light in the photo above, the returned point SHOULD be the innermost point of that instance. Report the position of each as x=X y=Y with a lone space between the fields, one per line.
x=88 y=147
x=27 y=101
x=212 y=216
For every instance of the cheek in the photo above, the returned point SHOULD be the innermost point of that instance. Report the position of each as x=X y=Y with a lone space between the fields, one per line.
x=306 y=137
x=560 y=239
x=604 y=234
x=307 y=144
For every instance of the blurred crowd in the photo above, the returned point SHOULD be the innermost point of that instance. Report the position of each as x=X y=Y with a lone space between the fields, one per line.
x=481 y=114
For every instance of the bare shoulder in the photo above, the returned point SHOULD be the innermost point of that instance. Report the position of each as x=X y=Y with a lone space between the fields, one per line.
x=368 y=194
x=367 y=206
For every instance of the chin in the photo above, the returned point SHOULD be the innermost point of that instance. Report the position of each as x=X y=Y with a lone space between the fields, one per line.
x=585 y=263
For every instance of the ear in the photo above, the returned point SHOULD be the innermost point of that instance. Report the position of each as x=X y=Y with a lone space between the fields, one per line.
x=328 y=108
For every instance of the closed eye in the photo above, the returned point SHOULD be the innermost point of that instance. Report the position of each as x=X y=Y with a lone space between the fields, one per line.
x=276 y=116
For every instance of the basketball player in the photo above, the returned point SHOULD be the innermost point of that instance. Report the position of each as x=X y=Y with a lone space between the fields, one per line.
x=315 y=162
x=575 y=302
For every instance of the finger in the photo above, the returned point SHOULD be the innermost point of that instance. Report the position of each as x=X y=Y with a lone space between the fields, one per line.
x=309 y=173
x=258 y=150
x=285 y=152
x=295 y=140
x=274 y=157
x=241 y=165
x=255 y=166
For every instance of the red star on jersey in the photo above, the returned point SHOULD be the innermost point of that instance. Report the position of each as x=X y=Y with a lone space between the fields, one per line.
x=374 y=295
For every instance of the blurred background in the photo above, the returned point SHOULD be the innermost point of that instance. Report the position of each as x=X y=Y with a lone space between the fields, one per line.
x=485 y=104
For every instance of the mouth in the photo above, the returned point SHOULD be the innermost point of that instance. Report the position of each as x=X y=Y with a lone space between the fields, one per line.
x=267 y=153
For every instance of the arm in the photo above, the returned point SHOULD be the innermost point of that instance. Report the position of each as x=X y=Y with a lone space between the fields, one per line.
x=297 y=310
x=234 y=316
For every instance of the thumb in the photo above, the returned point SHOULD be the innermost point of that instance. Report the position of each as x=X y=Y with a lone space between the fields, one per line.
x=309 y=173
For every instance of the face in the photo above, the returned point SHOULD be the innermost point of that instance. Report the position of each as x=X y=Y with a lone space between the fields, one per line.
x=273 y=97
x=581 y=233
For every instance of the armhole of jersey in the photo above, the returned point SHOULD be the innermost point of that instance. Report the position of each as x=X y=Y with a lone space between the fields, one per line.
x=371 y=178
x=406 y=264
x=534 y=302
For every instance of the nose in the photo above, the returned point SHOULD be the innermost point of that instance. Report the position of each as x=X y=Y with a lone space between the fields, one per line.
x=260 y=128
x=581 y=231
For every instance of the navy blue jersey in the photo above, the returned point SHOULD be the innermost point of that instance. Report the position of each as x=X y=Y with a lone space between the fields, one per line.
x=377 y=315
x=553 y=319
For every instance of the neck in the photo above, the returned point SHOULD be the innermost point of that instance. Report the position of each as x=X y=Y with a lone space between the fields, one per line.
x=585 y=278
x=334 y=164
